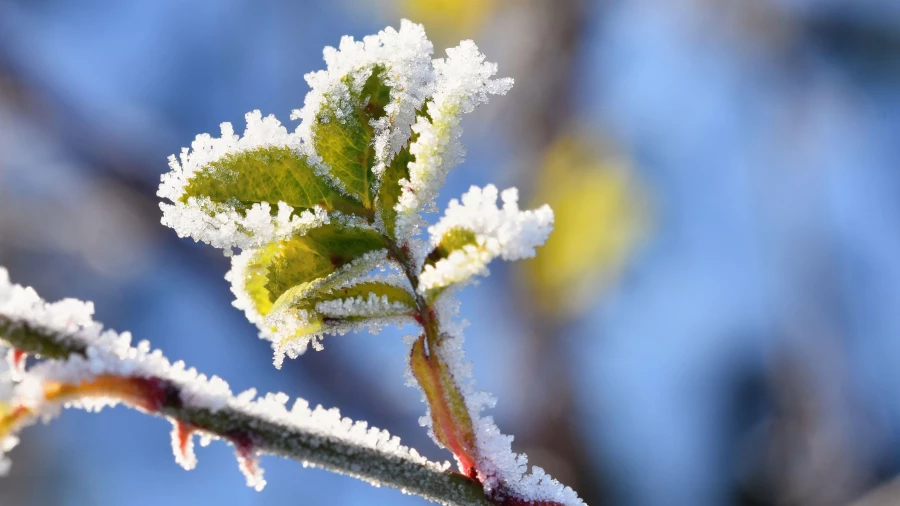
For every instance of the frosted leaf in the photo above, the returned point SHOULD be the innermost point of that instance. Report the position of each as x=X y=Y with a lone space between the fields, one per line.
x=490 y=232
x=406 y=56
x=373 y=303
x=462 y=82
x=222 y=224
x=369 y=307
x=502 y=472
x=260 y=132
x=242 y=270
x=294 y=329
x=183 y=445
x=222 y=227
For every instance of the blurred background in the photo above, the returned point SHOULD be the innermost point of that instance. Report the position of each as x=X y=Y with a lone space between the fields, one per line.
x=715 y=320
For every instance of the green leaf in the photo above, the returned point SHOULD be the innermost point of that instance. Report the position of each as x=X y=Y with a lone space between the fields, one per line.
x=389 y=191
x=302 y=301
x=267 y=174
x=364 y=290
x=368 y=288
x=344 y=141
x=450 y=419
x=453 y=239
x=306 y=296
x=301 y=260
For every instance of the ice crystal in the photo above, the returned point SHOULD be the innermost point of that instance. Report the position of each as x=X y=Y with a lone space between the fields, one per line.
x=218 y=224
x=462 y=82
x=288 y=328
x=504 y=232
x=502 y=472
x=406 y=56
x=110 y=355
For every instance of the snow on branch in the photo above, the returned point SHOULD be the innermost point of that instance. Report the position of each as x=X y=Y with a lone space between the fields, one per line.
x=316 y=212
x=92 y=368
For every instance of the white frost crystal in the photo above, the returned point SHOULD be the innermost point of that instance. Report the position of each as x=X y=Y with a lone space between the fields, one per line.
x=218 y=224
x=476 y=228
x=504 y=232
x=406 y=56
x=6 y=399
x=462 y=82
x=500 y=470
x=111 y=354
x=369 y=307
x=289 y=329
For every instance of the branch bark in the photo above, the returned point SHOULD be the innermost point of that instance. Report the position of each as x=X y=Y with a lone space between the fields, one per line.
x=271 y=438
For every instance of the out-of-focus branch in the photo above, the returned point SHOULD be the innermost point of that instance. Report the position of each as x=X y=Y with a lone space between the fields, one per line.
x=887 y=494
x=546 y=72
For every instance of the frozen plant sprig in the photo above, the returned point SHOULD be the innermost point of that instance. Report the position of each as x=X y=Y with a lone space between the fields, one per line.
x=317 y=211
x=84 y=366
x=379 y=131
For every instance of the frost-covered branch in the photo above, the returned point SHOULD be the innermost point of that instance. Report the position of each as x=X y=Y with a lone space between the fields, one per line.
x=380 y=129
x=92 y=369
x=328 y=220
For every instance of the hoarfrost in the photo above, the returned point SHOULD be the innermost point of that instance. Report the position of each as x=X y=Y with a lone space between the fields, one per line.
x=369 y=307
x=462 y=82
x=406 y=56
x=289 y=328
x=110 y=354
x=183 y=445
x=502 y=472
x=504 y=232
x=218 y=224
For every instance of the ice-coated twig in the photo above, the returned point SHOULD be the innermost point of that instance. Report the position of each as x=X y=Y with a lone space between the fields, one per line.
x=380 y=130
x=84 y=366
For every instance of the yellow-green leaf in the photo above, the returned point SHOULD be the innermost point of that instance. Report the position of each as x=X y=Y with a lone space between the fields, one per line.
x=306 y=296
x=453 y=239
x=295 y=262
x=390 y=190
x=343 y=134
x=267 y=174
x=302 y=303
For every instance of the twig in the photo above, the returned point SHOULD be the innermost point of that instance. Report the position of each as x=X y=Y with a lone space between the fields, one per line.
x=265 y=436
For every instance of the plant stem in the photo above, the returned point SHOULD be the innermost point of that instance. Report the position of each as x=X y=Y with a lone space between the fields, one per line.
x=451 y=422
x=426 y=313
x=272 y=438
